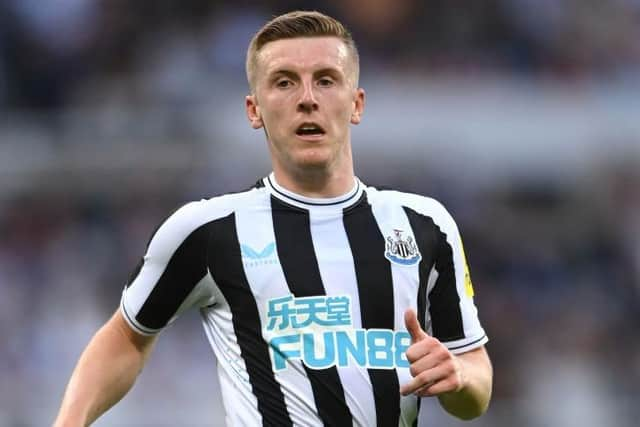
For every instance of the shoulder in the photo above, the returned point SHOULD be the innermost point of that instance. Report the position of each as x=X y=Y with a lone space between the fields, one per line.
x=225 y=204
x=210 y=209
x=419 y=204
x=195 y=215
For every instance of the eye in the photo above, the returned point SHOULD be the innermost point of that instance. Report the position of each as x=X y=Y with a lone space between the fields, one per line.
x=283 y=83
x=325 y=82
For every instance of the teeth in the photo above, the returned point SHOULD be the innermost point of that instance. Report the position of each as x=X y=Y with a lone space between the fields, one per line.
x=310 y=129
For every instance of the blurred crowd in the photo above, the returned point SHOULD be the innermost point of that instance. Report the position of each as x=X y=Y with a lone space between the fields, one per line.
x=555 y=263
x=49 y=56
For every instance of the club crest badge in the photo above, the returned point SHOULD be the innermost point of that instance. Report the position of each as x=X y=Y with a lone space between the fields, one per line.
x=402 y=250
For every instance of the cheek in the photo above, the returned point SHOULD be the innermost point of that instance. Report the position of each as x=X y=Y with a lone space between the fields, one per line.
x=274 y=111
x=343 y=113
x=271 y=118
x=349 y=106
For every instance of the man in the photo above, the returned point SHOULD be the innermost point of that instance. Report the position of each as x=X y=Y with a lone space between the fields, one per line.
x=325 y=301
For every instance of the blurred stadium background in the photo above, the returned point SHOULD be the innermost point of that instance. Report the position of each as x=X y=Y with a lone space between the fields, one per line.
x=522 y=116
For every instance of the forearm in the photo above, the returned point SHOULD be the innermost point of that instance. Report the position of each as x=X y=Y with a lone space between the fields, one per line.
x=473 y=399
x=105 y=372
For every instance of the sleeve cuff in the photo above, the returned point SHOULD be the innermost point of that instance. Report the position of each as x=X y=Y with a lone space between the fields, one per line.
x=133 y=323
x=466 y=344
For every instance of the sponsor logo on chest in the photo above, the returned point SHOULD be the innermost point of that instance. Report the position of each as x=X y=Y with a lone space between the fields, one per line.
x=319 y=331
x=254 y=258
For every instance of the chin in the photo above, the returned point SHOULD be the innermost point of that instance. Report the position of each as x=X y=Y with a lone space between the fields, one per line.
x=313 y=165
x=313 y=159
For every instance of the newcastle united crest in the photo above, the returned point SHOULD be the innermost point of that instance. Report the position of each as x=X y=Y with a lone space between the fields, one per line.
x=403 y=251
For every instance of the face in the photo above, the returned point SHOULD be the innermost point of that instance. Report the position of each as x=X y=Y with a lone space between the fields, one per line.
x=305 y=98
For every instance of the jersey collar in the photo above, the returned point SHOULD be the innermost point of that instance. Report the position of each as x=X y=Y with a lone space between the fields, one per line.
x=332 y=203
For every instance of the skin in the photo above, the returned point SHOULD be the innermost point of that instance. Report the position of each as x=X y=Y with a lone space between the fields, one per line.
x=307 y=80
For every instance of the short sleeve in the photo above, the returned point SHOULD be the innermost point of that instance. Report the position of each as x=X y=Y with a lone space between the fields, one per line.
x=173 y=275
x=454 y=316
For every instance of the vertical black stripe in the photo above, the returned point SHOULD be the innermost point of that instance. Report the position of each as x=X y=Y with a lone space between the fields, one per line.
x=375 y=290
x=424 y=234
x=228 y=272
x=184 y=270
x=424 y=231
x=444 y=301
x=300 y=266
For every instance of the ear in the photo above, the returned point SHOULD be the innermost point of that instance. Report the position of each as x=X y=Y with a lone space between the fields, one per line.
x=358 y=106
x=253 y=111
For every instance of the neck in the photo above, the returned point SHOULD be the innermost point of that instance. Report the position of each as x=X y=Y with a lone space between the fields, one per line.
x=316 y=183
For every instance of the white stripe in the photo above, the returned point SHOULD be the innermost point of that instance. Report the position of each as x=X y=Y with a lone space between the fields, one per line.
x=239 y=401
x=408 y=410
x=431 y=282
x=267 y=281
x=338 y=275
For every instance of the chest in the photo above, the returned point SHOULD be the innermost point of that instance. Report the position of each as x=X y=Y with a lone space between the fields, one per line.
x=358 y=255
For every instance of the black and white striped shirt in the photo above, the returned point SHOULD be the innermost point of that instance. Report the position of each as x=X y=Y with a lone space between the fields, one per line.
x=303 y=299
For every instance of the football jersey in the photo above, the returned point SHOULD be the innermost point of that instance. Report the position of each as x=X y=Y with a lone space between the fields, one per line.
x=303 y=299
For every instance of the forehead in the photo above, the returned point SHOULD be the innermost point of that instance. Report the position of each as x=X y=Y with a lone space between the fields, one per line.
x=303 y=53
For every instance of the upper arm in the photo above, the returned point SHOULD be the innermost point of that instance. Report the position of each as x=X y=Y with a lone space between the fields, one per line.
x=121 y=328
x=105 y=372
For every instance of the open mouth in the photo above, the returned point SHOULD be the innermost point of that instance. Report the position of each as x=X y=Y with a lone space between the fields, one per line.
x=309 y=129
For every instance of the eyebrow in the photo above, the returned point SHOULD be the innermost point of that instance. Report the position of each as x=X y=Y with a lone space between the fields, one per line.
x=282 y=72
x=332 y=71
x=329 y=70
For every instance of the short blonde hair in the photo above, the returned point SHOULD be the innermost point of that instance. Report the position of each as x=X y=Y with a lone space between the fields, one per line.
x=299 y=24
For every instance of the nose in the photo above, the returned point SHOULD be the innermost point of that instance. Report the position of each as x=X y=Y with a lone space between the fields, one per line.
x=307 y=102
